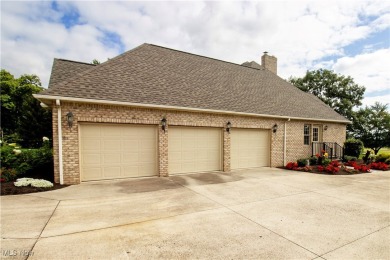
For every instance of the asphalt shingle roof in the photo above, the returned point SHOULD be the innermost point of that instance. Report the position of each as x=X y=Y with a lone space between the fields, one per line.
x=155 y=75
x=63 y=70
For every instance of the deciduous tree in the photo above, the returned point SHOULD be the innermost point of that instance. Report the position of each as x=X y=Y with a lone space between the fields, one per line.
x=23 y=120
x=339 y=92
x=372 y=126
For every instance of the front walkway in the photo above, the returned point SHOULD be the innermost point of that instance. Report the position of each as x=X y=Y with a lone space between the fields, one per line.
x=260 y=214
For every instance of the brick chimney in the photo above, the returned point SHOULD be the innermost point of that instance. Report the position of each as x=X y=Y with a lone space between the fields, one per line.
x=269 y=62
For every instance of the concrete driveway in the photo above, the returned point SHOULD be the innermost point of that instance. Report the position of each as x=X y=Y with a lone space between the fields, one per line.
x=250 y=214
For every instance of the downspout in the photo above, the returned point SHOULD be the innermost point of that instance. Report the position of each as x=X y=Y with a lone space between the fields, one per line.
x=285 y=142
x=59 y=124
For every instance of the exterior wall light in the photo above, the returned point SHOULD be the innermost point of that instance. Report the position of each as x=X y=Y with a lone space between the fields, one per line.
x=164 y=124
x=228 y=126
x=69 y=119
x=325 y=127
x=275 y=128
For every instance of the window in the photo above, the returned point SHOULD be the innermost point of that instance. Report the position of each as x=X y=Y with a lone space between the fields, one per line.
x=316 y=135
x=306 y=134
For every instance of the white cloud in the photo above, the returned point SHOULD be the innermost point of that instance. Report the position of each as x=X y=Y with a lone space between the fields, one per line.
x=384 y=99
x=369 y=69
x=301 y=34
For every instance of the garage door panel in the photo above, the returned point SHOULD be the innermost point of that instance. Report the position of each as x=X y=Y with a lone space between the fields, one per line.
x=92 y=144
x=249 y=148
x=117 y=151
x=194 y=149
x=92 y=158
x=145 y=169
x=92 y=172
x=130 y=157
x=112 y=172
x=130 y=145
x=110 y=158
x=110 y=144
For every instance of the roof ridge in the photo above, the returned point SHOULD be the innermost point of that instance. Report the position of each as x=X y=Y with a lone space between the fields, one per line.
x=81 y=62
x=202 y=56
x=104 y=64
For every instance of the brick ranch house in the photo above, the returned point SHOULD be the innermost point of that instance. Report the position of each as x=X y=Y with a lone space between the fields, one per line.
x=154 y=111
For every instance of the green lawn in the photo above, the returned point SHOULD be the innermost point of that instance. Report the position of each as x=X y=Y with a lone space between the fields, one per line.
x=382 y=150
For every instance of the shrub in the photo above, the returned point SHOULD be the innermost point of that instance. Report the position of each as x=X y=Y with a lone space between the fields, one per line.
x=353 y=147
x=7 y=175
x=313 y=160
x=301 y=162
x=349 y=158
x=325 y=162
x=387 y=161
x=28 y=162
x=382 y=157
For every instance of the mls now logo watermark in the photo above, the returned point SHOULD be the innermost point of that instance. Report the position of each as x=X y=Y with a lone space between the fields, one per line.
x=10 y=252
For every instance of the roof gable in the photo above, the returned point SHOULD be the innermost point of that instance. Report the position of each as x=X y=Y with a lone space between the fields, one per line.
x=155 y=75
x=64 y=70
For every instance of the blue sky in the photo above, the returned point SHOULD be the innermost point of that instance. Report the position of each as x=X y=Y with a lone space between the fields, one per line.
x=350 y=37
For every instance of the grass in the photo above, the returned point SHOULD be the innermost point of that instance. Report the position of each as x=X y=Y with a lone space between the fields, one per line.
x=382 y=150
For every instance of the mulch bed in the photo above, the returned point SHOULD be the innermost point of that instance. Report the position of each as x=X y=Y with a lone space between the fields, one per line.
x=8 y=188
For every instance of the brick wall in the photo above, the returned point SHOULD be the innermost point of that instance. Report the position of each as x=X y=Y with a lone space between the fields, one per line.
x=127 y=115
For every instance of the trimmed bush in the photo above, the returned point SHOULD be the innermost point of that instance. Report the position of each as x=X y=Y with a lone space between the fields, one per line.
x=301 y=162
x=313 y=160
x=382 y=157
x=353 y=147
x=15 y=163
x=325 y=162
x=349 y=158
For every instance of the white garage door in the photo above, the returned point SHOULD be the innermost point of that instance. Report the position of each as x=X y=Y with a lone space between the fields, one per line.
x=117 y=151
x=249 y=148
x=194 y=149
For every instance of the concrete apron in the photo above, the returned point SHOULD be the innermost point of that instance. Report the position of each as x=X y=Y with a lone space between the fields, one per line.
x=259 y=213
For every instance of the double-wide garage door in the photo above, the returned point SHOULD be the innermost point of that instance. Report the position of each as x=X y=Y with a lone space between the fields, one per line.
x=117 y=151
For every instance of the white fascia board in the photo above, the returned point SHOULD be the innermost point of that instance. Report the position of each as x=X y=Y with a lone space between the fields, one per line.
x=120 y=103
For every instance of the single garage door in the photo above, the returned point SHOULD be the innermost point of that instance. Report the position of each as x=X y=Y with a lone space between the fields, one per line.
x=117 y=151
x=249 y=148
x=194 y=149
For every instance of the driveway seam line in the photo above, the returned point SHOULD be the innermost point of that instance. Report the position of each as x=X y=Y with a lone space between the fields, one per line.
x=35 y=196
x=230 y=209
x=128 y=224
x=355 y=240
x=273 y=232
x=47 y=222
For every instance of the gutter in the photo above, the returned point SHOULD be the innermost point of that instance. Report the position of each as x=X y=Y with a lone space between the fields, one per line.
x=59 y=124
x=120 y=103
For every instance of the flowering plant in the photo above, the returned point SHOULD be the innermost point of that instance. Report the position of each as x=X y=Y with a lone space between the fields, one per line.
x=292 y=165
x=379 y=166
x=361 y=168
x=38 y=183
x=335 y=163
x=330 y=169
